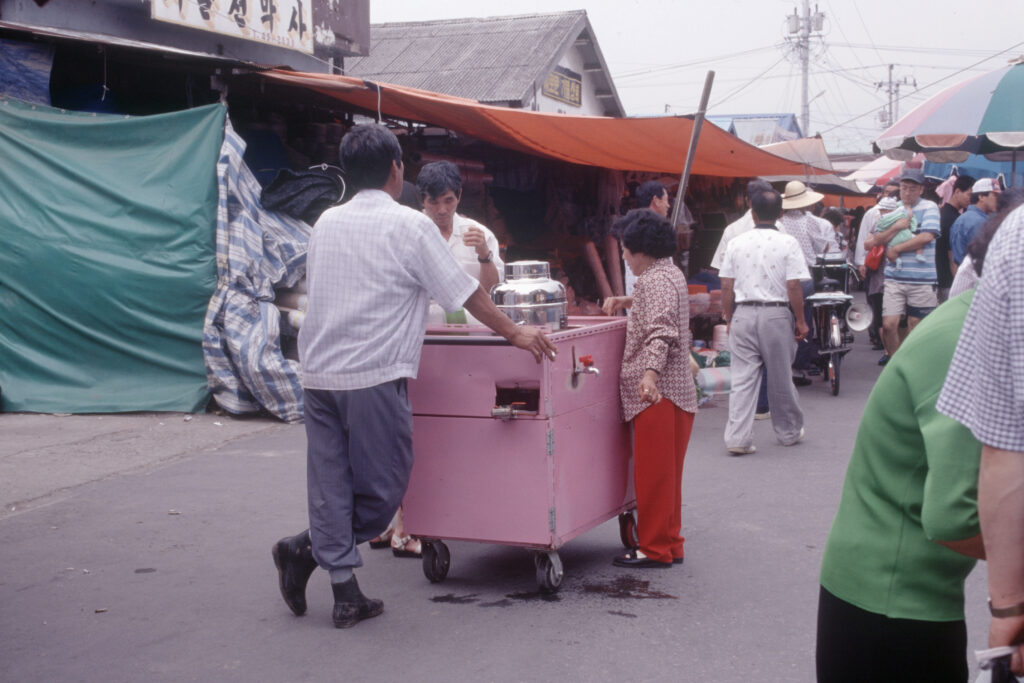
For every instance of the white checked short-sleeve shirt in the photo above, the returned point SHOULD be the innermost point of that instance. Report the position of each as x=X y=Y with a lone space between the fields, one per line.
x=984 y=388
x=760 y=262
x=372 y=267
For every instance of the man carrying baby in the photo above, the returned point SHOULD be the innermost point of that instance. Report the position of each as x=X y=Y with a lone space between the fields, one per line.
x=910 y=282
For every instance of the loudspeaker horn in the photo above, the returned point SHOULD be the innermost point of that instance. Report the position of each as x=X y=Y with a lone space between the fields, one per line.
x=859 y=317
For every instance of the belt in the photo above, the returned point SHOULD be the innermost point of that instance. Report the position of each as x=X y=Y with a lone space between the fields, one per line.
x=762 y=303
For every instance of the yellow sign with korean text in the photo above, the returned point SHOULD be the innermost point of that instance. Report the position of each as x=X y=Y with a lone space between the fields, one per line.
x=284 y=23
x=565 y=86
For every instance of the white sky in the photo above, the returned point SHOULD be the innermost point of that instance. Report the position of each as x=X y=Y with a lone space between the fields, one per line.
x=659 y=52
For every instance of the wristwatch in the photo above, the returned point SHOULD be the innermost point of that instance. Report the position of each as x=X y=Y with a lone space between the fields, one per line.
x=1004 y=612
x=486 y=259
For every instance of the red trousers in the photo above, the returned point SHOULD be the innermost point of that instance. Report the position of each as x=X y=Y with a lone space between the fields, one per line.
x=660 y=436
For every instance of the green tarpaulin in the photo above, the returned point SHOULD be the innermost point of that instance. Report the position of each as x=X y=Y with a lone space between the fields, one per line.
x=107 y=258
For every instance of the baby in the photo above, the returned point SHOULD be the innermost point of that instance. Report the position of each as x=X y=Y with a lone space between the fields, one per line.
x=891 y=211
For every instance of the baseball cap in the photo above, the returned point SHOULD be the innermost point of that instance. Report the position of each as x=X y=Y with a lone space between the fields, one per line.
x=914 y=175
x=985 y=185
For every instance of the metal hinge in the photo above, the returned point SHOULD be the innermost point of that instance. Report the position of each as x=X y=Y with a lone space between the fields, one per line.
x=551 y=441
x=551 y=519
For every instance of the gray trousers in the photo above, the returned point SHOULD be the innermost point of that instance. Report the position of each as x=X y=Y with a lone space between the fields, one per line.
x=358 y=461
x=762 y=337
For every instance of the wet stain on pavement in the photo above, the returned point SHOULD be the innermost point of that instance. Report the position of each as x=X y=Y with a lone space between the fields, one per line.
x=504 y=602
x=622 y=614
x=453 y=599
x=627 y=587
x=534 y=597
x=145 y=570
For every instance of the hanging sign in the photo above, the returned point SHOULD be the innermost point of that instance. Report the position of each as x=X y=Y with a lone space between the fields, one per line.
x=564 y=85
x=284 y=23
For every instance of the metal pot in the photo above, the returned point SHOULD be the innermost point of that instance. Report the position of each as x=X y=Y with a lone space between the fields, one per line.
x=530 y=296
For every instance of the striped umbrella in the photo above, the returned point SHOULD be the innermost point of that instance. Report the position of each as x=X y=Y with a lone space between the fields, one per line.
x=982 y=115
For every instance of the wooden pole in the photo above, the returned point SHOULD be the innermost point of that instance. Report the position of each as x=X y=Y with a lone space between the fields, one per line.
x=698 y=121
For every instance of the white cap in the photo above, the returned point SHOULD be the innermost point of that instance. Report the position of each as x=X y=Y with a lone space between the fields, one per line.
x=985 y=185
x=888 y=204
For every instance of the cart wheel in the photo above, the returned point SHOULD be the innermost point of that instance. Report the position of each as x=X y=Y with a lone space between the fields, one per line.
x=833 y=372
x=549 y=571
x=627 y=530
x=436 y=560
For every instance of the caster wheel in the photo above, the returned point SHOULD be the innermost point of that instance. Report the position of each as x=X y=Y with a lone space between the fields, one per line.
x=627 y=530
x=436 y=561
x=549 y=571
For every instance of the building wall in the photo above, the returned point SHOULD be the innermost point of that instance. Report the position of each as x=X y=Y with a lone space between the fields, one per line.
x=591 y=104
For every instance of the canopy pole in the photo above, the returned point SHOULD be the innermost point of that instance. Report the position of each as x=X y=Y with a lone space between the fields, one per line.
x=1013 y=166
x=698 y=121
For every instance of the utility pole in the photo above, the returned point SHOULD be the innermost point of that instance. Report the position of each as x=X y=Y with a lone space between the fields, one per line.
x=802 y=27
x=891 y=114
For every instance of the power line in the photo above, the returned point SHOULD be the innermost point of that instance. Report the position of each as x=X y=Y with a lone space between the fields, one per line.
x=936 y=82
x=681 y=65
x=747 y=84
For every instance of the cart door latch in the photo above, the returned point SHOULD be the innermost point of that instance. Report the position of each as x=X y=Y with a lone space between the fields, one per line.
x=511 y=411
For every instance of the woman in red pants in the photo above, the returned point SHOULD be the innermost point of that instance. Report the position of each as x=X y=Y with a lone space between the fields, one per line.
x=656 y=388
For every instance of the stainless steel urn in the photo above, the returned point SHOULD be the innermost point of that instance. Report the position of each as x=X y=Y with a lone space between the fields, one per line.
x=529 y=295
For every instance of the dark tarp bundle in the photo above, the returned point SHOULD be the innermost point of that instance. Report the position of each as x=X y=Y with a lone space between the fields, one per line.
x=256 y=251
x=107 y=258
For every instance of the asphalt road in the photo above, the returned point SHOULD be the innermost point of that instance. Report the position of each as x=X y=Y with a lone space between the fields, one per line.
x=137 y=548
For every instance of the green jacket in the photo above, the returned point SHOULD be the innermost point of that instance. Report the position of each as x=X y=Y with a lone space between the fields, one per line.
x=912 y=480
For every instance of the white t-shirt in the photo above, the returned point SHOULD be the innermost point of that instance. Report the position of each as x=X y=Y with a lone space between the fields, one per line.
x=760 y=262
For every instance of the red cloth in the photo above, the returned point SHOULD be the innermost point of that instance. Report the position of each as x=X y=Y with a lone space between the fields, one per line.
x=660 y=436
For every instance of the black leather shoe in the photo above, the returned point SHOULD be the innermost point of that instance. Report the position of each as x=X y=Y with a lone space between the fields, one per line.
x=637 y=560
x=677 y=560
x=293 y=557
x=351 y=606
x=801 y=381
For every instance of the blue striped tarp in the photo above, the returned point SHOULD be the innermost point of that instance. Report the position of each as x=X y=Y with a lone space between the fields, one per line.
x=256 y=251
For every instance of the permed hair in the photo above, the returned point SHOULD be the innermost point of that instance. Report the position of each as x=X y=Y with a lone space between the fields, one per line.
x=645 y=232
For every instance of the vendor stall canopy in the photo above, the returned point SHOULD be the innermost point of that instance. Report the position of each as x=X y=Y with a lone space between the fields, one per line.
x=657 y=145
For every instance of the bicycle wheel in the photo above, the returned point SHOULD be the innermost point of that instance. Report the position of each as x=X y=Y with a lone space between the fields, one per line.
x=834 y=361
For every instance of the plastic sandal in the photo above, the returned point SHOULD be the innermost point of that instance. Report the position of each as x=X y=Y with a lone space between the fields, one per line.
x=401 y=546
x=384 y=540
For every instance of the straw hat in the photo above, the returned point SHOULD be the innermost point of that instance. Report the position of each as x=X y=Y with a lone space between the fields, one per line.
x=797 y=196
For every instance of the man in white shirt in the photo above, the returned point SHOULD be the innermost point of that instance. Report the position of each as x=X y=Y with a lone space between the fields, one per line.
x=372 y=267
x=740 y=225
x=650 y=195
x=761 y=274
x=473 y=245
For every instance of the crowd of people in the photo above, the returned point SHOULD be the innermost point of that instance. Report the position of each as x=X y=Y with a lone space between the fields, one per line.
x=935 y=481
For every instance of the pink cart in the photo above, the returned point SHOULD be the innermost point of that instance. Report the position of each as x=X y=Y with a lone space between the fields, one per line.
x=515 y=453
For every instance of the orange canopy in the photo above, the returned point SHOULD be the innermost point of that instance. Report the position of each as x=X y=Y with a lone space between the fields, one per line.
x=632 y=144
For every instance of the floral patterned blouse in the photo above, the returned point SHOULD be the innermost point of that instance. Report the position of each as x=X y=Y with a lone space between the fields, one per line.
x=658 y=338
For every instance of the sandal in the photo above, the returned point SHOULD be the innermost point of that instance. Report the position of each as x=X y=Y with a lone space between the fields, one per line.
x=384 y=540
x=407 y=546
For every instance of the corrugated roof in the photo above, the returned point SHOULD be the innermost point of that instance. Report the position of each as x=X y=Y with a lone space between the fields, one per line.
x=493 y=59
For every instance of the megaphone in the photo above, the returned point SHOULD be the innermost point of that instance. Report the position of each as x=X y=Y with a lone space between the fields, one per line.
x=859 y=317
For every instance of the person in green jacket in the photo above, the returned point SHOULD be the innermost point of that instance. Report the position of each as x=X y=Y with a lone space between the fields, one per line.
x=906 y=534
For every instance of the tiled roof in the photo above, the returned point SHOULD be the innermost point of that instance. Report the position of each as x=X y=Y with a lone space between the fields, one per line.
x=493 y=59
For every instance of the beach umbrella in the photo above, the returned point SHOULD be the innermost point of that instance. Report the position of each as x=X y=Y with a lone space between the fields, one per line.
x=981 y=115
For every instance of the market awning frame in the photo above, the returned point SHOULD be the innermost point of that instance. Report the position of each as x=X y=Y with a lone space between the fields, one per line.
x=656 y=144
